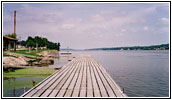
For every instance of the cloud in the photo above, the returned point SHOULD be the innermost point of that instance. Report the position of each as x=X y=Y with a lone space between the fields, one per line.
x=68 y=26
x=123 y=30
x=97 y=18
x=96 y=26
x=164 y=20
x=145 y=28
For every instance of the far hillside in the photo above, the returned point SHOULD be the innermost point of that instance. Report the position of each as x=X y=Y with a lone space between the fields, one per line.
x=152 y=47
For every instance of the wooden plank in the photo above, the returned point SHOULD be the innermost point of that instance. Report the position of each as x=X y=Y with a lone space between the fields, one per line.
x=89 y=81
x=83 y=82
x=83 y=77
x=89 y=93
x=61 y=93
x=68 y=93
x=45 y=94
x=53 y=93
x=96 y=91
x=106 y=85
x=73 y=82
x=63 y=80
x=67 y=83
x=49 y=83
x=31 y=93
x=52 y=86
x=117 y=91
x=61 y=71
x=75 y=93
x=78 y=83
x=34 y=89
x=100 y=84
x=82 y=92
x=61 y=77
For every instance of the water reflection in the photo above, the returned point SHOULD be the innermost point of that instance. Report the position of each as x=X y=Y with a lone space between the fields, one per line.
x=15 y=87
x=61 y=60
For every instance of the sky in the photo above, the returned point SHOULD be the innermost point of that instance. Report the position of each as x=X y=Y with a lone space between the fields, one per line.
x=90 y=25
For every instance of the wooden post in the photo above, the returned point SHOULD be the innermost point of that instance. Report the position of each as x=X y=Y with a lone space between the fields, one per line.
x=14 y=45
x=36 y=47
x=24 y=89
x=29 y=49
x=9 y=45
x=14 y=92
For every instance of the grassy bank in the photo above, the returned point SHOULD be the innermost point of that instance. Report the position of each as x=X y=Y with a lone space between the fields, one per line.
x=29 y=72
x=7 y=55
x=32 y=52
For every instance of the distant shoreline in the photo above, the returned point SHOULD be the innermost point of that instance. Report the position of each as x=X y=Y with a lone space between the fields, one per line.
x=152 y=47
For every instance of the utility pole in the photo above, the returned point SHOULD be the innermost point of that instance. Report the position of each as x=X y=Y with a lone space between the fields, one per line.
x=15 y=23
x=15 y=29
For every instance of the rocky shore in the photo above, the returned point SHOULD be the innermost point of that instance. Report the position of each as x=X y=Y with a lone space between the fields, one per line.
x=43 y=59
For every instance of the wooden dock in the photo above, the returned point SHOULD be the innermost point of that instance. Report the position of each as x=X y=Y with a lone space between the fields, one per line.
x=82 y=77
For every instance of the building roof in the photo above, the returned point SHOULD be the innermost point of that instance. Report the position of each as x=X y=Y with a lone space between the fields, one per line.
x=10 y=38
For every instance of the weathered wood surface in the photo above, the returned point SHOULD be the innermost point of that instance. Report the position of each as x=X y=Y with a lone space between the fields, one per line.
x=82 y=77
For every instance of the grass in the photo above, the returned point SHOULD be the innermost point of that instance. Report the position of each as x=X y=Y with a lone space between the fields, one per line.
x=26 y=52
x=30 y=72
x=7 y=55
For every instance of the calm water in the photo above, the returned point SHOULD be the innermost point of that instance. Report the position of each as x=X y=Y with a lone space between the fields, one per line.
x=140 y=73
x=59 y=62
x=14 y=87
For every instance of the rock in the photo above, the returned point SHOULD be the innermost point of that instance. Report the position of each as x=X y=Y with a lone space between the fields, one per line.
x=40 y=55
x=50 y=54
x=47 y=61
x=36 y=64
x=43 y=54
x=14 y=61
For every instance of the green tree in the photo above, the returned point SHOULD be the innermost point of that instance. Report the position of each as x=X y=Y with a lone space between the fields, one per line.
x=11 y=35
x=44 y=41
x=58 y=46
x=30 y=42
x=41 y=42
x=22 y=43
x=37 y=41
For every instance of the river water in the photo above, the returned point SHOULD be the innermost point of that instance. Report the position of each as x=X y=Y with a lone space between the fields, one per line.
x=141 y=73
x=14 y=87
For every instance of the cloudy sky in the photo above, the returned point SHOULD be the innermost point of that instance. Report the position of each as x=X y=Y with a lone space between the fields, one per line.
x=90 y=25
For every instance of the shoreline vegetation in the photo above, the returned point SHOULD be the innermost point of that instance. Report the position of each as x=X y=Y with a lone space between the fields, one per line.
x=27 y=52
x=39 y=58
x=19 y=70
x=152 y=47
x=29 y=72
x=22 y=63
x=26 y=64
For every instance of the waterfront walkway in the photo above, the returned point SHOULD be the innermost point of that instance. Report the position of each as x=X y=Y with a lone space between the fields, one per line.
x=82 y=77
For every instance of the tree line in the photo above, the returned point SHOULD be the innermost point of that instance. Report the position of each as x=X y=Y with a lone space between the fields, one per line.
x=11 y=35
x=37 y=42
x=152 y=47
